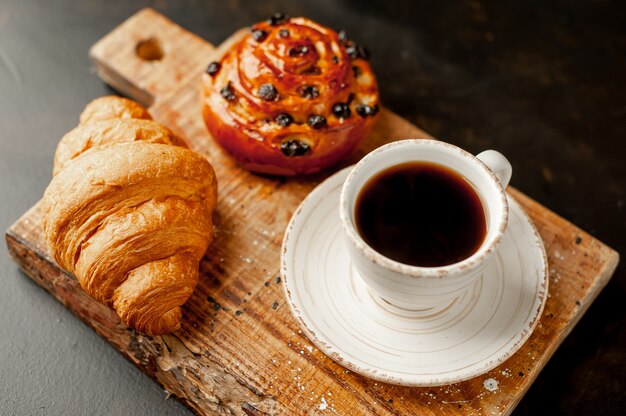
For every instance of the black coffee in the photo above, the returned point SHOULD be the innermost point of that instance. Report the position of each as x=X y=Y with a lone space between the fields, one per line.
x=422 y=214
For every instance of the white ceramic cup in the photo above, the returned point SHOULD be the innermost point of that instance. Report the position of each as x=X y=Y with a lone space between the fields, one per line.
x=413 y=287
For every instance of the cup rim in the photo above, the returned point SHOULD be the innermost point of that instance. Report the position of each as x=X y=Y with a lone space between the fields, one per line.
x=462 y=267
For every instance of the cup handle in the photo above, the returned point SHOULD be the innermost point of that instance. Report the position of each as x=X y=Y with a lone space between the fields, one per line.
x=498 y=164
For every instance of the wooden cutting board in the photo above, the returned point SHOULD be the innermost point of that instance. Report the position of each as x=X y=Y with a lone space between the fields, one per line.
x=239 y=350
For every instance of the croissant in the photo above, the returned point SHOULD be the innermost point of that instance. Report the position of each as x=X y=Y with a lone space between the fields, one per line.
x=128 y=212
x=289 y=96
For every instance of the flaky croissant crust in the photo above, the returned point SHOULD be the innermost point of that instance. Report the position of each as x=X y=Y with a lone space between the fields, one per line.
x=289 y=96
x=128 y=212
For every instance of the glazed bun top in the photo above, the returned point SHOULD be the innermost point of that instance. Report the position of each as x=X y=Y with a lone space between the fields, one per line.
x=292 y=84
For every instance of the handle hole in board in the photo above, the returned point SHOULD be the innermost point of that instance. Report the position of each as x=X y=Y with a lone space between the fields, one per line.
x=149 y=50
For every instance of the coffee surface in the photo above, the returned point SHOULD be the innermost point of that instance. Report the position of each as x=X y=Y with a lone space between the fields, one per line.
x=421 y=214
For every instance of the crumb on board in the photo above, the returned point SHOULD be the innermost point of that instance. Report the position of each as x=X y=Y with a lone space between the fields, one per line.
x=491 y=384
x=323 y=404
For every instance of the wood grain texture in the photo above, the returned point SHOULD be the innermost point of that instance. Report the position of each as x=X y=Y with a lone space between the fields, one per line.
x=240 y=351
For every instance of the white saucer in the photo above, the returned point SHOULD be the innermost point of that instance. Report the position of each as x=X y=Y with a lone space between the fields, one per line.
x=362 y=332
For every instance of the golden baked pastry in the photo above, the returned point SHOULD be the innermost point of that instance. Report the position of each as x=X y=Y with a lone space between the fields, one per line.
x=110 y=106
x=128 y=212
x=289 y=96
x=111 y=131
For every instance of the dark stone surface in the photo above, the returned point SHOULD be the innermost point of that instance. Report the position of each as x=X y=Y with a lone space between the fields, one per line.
x=544 y=82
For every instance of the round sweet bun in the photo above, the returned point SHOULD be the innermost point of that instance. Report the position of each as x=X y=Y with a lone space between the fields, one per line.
x=289 y=96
